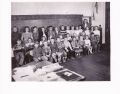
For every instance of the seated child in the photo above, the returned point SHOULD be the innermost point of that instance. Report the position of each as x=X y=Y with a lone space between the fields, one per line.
x=62 y=55
x=68 y=48
x=53 y=47
x=37 y=53
x=43 y=39
x=19 y=53
x=69 y=38
x=46 y=51
x=29 y=50
x=75 y=46
x=88 y=44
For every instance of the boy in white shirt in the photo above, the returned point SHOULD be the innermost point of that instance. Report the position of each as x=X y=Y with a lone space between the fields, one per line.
x=87 y=32
x=88 y=44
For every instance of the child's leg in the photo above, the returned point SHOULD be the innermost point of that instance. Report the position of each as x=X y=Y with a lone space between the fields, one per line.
x=54 y=57
x=59 y=56
x=21 y=58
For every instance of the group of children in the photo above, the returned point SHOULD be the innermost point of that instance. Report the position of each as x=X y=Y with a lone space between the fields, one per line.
x=54 y=44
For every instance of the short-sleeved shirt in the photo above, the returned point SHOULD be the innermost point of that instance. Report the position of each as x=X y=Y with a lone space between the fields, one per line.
x=87 y=42
x=26 y=36
x=96 y=32
x=87 y=32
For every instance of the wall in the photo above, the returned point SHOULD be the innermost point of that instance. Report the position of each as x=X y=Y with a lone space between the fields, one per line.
x=100 y=18
x=46 y=20
x=51 y=8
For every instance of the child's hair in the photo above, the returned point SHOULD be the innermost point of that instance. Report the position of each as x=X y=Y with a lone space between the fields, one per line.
x=26 y=27
x=33 y=28
x=14 y=27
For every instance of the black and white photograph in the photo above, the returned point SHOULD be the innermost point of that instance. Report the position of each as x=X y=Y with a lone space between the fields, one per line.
x=60 y=41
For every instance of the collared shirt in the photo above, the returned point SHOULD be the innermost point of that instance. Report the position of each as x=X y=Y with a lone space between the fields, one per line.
x=96 y=32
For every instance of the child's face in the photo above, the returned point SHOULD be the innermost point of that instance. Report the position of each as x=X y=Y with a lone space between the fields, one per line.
x=67 y=27
x=26 y=29
x=43 y=38
x=35 y=30
x=45 y=44
x=62 y=27
x=18 y=42
x=81 y=38
x=87 y=37
x=74 y=39
x=50 y=28
x=72 y=28
x=96 y=28
x=79 y=27
x=58 y=39
x=87 y=28
x=29 y=40
x=56 y=29
x=68 y=35
x=43 y=29
x=14 y=29
x=52 y=40
x=61 y=37
x=36 y=45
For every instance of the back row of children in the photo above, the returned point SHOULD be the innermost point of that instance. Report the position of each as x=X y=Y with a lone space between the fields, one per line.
x=55 y=44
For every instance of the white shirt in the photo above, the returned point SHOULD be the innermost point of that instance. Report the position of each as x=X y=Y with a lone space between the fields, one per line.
x=96 y=32
x=87 y=42
x=87 y=32
x=77 y=32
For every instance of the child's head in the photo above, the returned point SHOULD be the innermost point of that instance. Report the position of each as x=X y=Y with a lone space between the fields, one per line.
x=15 y=29
x=36 y=45
x=27 y=29
x=56 y=28
x=67 y=27
x=76 y=27
x=62 y=27
x=58 y=40
x=45 y=44
x=18 y=42
x=52 y=40
x=29 y=40
x=42 y=28
x=96 y=28
x=81 y=38
x=74 y=38
x=72 y=27
x=65 y=39
x=80 y=27
x=60 y=36
x=43 y=38
x=50 y=28
x=68 y=35
x=87 y=37
x=87 y=28
x=35 y=29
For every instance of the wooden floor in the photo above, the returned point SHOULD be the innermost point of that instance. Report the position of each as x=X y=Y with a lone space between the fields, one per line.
x=95 y=67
